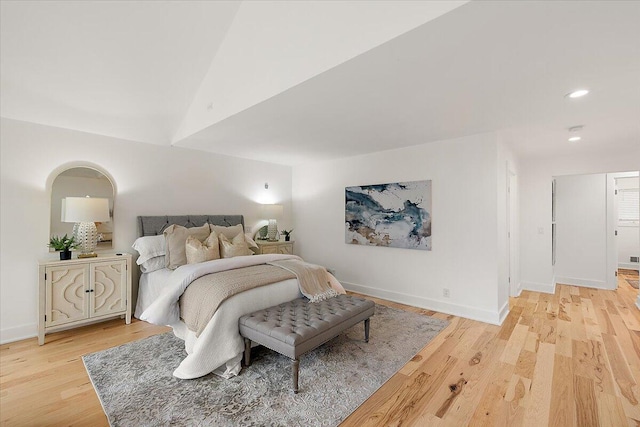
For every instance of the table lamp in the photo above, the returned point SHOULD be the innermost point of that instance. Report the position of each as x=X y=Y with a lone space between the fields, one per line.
x=85 y=212
x=272 y=213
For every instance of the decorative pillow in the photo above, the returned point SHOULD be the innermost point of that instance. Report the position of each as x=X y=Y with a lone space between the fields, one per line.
x=176 y=240
x=236 y=247
x=250 y=242
x=149 y=247
x=228 y=232
x=198 y=251
x=153 y=264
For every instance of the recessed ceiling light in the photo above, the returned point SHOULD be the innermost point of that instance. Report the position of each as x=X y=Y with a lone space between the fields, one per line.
x=574 y=139
x=577 y=93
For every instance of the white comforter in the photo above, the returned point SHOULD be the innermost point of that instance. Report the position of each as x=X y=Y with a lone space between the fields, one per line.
x=219 y=347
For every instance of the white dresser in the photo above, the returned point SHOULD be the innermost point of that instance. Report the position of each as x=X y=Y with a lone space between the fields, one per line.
x=76 y=292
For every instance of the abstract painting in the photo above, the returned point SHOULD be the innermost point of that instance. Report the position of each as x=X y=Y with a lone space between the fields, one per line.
x=396 y=215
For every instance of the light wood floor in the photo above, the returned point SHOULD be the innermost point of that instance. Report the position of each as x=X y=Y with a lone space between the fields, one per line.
x=569 y=359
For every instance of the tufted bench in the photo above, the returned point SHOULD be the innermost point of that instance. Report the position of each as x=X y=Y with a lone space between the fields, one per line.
x=298 y=326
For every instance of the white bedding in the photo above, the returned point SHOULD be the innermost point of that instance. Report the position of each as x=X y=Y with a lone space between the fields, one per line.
x=219 y=347
x=150 y=288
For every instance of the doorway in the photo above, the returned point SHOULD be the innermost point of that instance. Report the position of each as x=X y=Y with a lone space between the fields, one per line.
x=586 y=230
x=626 y=222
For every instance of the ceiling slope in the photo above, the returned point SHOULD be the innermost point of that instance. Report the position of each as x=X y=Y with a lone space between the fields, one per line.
x=152 y=71
x=122 y=69
x=483 y=67
x=292 y=82
x=273 y=46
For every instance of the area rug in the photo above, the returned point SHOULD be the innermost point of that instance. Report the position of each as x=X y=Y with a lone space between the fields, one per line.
x=633 y=283
x=135 y=384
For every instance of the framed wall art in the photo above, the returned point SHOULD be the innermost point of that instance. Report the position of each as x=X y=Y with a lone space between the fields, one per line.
x=395 y=215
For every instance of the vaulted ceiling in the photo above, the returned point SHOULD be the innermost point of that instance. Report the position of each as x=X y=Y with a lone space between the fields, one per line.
x=290 y=82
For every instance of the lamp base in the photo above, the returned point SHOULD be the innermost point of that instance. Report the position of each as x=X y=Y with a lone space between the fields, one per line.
x=91 y=255
x=86 y=235
x=272 y=230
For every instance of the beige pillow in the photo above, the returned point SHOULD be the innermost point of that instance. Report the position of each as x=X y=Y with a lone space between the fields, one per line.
x=175 y=242
x=250 y=242
x=232 y=231
x=198 y=251
x=228 y=232
x=236 y=247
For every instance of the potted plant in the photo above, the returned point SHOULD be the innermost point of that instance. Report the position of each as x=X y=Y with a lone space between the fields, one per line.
x=287 y=234
x=64 y=244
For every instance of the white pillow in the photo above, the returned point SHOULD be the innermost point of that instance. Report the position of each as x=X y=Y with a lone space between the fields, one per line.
x=236 y=247
x=153 y=264
x=198 y=251
x=176 y=239
x=149 y=247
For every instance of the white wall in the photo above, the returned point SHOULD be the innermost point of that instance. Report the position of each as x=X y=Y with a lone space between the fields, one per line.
x=150 y=180
x=628 y=235
x=581 y=231
x=465 y=231
x=535 y=176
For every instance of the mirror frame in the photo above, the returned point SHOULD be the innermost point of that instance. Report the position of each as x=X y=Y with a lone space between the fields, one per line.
x=55 y=173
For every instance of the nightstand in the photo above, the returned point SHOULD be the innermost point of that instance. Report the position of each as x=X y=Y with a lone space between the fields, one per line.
x=278 y=247
x=77 y=292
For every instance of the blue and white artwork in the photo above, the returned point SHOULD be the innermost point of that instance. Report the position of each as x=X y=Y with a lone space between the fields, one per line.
x=397 y=215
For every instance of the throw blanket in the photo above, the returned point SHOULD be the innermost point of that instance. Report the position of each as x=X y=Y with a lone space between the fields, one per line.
x=202 y=298
x=313 y=279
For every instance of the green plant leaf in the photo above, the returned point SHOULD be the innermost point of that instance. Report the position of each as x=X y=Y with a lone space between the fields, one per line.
x=63 y=243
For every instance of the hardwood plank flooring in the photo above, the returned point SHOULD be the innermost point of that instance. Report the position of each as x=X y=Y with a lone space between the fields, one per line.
x=569 y=359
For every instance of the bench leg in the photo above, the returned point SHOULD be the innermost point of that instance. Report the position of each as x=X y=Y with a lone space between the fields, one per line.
x=295 y=366
x=247 y=352
x=366 y=330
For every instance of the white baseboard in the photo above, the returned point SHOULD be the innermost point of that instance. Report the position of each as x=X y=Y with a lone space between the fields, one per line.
x=629 y=265
x=504 y=312
x=518 y=290
x=473 y=313
x=587 y=283
x=546 y=288
x=18 y=333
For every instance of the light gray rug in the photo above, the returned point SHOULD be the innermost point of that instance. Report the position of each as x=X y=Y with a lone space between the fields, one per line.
x=135 y=384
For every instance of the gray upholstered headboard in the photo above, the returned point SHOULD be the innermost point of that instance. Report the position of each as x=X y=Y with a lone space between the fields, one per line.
x=154 y=225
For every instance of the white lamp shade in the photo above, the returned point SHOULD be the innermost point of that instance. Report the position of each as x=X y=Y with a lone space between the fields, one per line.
x=85 y=209
x=272 y=211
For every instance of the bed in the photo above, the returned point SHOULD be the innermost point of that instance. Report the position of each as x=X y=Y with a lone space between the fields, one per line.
x=218 y=347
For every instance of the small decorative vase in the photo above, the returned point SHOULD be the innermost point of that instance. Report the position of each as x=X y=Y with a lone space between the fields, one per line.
x=287 y=238
x=64 y=255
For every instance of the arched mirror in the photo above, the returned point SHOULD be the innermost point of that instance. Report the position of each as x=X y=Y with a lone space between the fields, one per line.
x=81 y=182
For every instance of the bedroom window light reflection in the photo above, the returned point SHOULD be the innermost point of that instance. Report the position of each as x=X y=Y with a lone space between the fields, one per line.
x=629 y=206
